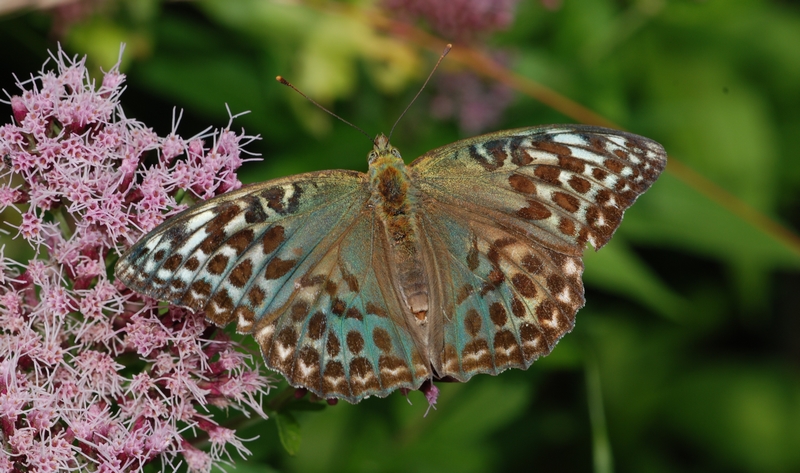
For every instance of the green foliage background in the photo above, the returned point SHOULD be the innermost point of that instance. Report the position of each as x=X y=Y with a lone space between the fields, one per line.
x=687 y=354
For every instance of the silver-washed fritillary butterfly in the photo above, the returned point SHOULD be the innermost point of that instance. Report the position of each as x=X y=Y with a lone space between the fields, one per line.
x=467 y=261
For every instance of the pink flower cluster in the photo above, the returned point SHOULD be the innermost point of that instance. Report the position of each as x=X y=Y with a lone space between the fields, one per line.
x=458 y=20
x=466 y=97
x=92 y=376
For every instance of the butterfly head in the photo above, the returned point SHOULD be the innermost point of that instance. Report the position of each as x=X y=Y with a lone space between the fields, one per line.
x=383 y=153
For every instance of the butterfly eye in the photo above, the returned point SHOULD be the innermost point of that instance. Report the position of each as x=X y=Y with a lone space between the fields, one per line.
x=395 y=152
x=372 y=155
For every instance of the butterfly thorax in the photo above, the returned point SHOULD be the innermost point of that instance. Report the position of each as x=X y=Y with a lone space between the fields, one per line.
x=394 y=204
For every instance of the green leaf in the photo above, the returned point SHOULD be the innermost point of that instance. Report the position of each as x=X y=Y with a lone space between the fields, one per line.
x=288 y=431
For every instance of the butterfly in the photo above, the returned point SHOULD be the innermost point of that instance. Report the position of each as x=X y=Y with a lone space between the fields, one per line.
x=466 y=261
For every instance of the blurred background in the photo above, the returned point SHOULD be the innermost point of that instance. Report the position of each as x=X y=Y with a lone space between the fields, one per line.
x=687 y=354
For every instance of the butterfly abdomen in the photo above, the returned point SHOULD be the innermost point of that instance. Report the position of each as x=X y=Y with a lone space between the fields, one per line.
x=395 y=206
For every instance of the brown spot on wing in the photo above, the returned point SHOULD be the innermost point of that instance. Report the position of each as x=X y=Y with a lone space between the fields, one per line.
x=192 y=263
x=333 y=346
x=567 y=202
x=331 y=287
x=338 y=307
x=566 y=226
x=524 y=285
x=519 y=155
x=201 y=287
x=382 y=340
x=272 y=239
x=355 y=342
x=571 y=164
x=256 y=296
x=277 y=268
x=211 y=242
x=614 y=165
x=473 y=257
x=599 y=174
x=299 y=311
x=217 y=264
x=580 y=184
x=376 y=310
x=554 y=148
x=548 y=174
x=225 y=215
x=241 y=274
x=240 y=241
x=533 y=264
x=350 y=279
x=354 y=313
x=522 y=184
x=173 y=262
x=498 y=314
x=463 y=293
x=518 y=308
x=534 y=211
x=555 y=284
x=472 y=322
x=317 y=326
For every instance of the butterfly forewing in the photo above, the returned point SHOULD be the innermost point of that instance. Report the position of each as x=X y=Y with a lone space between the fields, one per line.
x=507 y=216
x=566 y=185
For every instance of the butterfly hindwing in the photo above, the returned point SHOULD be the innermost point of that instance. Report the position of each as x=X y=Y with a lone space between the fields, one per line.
x=287 y=259
x=504 y=300
x=344 y=333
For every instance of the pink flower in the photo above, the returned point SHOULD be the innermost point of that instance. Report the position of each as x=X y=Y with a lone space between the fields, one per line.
x=458 y=19
x=93 y=376
x=476 y=105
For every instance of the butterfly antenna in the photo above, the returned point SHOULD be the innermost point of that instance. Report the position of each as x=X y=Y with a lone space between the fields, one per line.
x=444 y=53
x=289 y=84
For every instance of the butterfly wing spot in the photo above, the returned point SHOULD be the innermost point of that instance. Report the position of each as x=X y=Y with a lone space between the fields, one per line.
x=355 y=342
x=522 y=183
x=534 y=211
x=579 y=184
x=566 y=226
x=548 y=174
x=498 y=314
